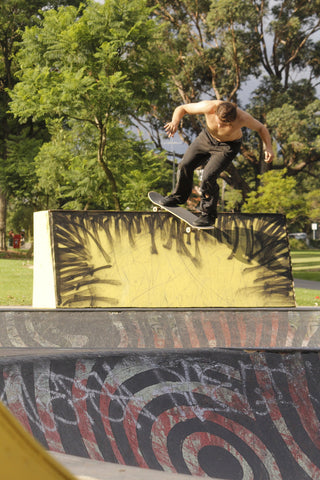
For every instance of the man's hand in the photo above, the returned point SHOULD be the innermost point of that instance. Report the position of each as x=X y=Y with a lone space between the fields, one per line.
x=268 y=156
x=171 y=128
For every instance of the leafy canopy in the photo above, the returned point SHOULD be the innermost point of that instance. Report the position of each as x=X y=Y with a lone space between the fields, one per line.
x=88 y=63
x=277 y=194
x=95 y=66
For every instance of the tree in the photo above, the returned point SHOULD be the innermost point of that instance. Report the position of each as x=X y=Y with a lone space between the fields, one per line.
x=286 y=98
x=297 y=132
x=220 y=44
x=313 y=199
x=212 y=49
x=14 y=16
x=67 y=170
x=97 y=66
x=106 y=68
x=277 y=194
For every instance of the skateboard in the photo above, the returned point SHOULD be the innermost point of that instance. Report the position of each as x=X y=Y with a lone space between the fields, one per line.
x=180 y=212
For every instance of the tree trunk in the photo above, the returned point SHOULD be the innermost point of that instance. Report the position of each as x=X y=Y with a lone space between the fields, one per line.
x=113 y=184
x=3 y=220
x=107 y=171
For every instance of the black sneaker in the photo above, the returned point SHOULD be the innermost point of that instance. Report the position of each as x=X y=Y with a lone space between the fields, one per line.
x=205 y=221
x=169 y=201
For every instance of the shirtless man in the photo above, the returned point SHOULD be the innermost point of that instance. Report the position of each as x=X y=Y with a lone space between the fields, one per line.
x=214 y=149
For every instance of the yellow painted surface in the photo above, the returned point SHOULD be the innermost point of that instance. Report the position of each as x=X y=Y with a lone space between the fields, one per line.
x=21 y=457
x=138 y=260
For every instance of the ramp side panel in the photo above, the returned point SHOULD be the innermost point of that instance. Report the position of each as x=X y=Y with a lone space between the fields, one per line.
x=128 y=259
x=22 y=457
x=142 y=329
x=217 y=412
x=44 y=290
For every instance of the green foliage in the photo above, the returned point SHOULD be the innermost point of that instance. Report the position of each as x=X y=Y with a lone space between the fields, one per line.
x=88 y=66
x=96 y=67
x=100 y=69
x=232 y=26
x=16 y=172
x=297 y=132
x=211 y=49
x=20 y=217
x=293 y=24
x=315 y=244
x=18 y=176
x=313 y=200
x=67 y=168
x=297 y=244
x=277 y=194
x=232 y=199
x=218 y=45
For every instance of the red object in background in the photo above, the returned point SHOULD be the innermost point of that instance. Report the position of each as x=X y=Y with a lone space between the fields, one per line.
x=16 y=240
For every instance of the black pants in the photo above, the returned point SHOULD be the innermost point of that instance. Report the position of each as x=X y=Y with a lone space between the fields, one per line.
x=215 y=157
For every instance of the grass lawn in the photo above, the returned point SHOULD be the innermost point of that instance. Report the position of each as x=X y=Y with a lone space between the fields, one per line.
x=306 y=266
x=307 y=298
x=16 y=280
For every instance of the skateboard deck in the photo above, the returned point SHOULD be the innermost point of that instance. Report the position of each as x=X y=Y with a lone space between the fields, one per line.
x=180 y=212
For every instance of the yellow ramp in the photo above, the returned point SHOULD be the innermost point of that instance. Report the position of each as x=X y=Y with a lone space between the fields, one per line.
x=137 y=259
x=21 y=457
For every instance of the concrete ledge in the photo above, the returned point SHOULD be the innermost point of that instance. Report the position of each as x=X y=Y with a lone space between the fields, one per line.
x=86 y=469
x=159 y=328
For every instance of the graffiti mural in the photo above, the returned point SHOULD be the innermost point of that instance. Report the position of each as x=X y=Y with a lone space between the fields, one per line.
x=222 y=413
x=159 y=328
x=128 y=259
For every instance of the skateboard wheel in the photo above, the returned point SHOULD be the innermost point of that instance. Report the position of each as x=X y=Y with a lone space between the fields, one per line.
x=155 y=209
x=188 y=229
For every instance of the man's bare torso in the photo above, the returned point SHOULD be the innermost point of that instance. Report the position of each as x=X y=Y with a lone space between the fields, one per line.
x=224 y=132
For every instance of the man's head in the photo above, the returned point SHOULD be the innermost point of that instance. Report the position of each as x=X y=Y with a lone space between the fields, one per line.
x=227 y=112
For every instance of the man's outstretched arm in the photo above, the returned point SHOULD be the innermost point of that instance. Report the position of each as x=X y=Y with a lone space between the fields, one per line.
x=264 y=134
x=206 y=106
x=172 y=127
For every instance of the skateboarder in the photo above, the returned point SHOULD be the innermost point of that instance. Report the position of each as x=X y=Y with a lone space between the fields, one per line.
x=214 y=149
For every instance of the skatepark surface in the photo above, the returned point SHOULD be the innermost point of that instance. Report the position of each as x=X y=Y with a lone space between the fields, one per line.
x=158 y=396
x=153 y=352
